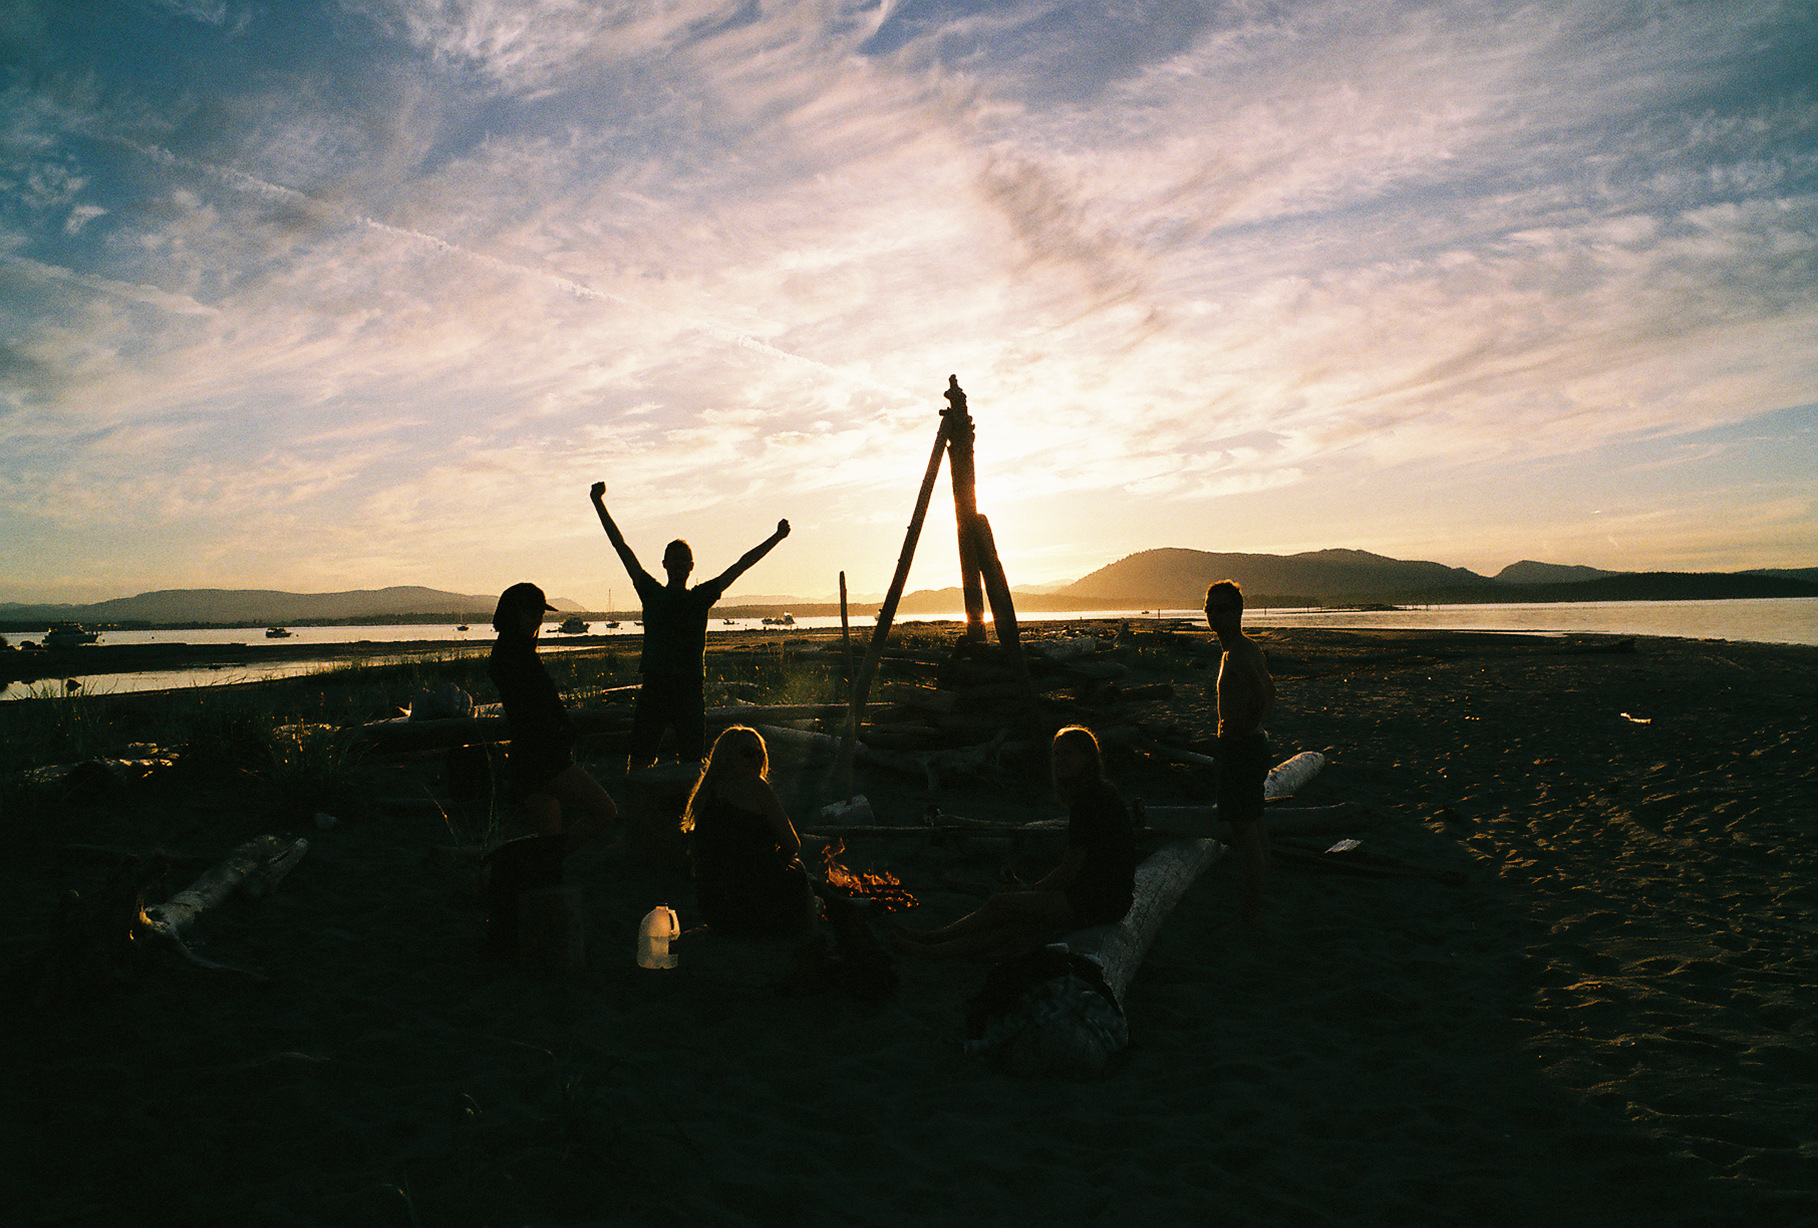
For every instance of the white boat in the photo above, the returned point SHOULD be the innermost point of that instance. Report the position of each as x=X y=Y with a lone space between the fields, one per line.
x=68 y=635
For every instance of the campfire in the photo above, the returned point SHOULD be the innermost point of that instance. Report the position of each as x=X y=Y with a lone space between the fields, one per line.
x=880 y=885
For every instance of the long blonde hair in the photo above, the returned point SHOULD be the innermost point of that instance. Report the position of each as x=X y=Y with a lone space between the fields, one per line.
x=728 y=741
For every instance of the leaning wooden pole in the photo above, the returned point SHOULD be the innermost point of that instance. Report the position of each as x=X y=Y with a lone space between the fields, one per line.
x=886 y=614
x=845 y=631
x=1003 y=610
x=960 y=434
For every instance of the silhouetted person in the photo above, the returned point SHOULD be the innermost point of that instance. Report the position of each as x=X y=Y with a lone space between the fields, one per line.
x=747 y=865
x=675 y=639
x=1093 y=885
x=1246 y=692
x=544 y=776
x=564 y=804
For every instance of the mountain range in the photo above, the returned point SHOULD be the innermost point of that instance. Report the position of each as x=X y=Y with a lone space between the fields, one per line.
x=245 y=607
x=1166 y=578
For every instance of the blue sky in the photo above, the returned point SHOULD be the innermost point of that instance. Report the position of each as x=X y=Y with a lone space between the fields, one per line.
x=351 y=293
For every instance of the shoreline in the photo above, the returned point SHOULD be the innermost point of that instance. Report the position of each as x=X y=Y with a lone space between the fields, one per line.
x=1609 y=1021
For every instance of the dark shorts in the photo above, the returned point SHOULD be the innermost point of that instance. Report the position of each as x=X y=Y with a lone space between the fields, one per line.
x=1243 y=765
x=666 y=701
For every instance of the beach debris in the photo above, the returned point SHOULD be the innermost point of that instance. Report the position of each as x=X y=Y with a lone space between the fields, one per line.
x=1349 y=857
x=446 y=702
x=107 y=938
x=855 y=810
x=1638 y=720
x=130 y=763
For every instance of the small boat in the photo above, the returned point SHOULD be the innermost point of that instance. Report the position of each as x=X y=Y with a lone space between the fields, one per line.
x=614 y=623
x=463 y=627
x=787 y=620
x=572 y=625
x=68 y=635
x=277 y=633
x=727 y=622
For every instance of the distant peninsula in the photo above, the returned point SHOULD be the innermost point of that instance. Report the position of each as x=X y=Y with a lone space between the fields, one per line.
x=247 y=607
x=1171 y=578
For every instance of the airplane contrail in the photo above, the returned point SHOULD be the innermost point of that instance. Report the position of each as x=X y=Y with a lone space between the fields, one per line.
x=242 y=181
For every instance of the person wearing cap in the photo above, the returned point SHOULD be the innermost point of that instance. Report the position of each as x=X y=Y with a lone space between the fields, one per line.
x=675 y=639
x=544 y=775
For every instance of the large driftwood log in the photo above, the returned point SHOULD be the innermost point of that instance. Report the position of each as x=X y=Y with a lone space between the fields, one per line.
x=1060 y=1047
x=1161 y=879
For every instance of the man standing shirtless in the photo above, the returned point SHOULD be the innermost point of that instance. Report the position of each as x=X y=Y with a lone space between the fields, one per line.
x=1245 y=695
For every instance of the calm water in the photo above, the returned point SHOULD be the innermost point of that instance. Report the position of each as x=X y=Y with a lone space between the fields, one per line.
x=1767 y=621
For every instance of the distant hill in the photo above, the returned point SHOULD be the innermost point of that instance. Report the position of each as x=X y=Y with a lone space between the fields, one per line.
x=1177 y=578
x=1529 y=572
x=252 y=607
x=1809 y=574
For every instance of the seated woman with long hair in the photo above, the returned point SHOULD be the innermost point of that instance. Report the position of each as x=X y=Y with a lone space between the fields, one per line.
x=747 y=873
x=1092 y=885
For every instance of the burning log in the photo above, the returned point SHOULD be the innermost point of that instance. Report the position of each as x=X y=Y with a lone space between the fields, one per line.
x=879 y=885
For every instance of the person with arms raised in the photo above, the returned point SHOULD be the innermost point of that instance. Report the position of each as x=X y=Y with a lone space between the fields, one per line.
x=675 y=639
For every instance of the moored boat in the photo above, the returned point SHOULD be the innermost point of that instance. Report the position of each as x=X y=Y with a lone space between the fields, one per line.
x=572 y=625
x=68 y=635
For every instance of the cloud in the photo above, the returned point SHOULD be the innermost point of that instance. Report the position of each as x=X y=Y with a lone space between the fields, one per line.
x=1194 y=263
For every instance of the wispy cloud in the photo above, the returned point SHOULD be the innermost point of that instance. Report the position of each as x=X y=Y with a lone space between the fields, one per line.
x=1233 y=270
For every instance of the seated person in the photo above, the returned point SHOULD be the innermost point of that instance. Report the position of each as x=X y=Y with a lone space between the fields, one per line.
x=747 y=873
x=1093 y=884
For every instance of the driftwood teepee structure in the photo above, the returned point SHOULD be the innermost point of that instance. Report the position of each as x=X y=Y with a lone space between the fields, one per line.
x=981 y=571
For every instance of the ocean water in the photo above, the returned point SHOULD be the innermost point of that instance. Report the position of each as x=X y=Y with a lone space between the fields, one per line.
x=1766 y=620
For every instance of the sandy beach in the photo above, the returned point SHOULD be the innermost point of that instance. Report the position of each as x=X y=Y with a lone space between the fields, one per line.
x=1610 y=1020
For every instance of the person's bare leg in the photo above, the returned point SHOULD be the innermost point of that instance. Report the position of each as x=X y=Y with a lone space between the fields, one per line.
x=1005 y=923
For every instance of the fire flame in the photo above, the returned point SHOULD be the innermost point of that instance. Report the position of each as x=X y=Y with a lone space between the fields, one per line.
x=880 y=885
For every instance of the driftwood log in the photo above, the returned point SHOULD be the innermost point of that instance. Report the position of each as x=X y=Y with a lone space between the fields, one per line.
x=107 y=938
x=1057 y=1047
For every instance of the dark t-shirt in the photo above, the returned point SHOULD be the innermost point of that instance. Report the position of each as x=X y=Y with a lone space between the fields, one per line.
x=1098 y=825
x=541 y=738
x=675 y=625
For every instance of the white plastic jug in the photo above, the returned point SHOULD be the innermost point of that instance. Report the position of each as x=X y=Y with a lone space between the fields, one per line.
x=658 y=927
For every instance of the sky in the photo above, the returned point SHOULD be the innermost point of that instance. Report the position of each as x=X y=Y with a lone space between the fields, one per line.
x=343 y=294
